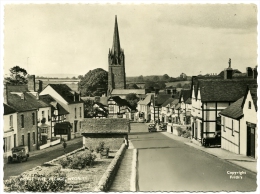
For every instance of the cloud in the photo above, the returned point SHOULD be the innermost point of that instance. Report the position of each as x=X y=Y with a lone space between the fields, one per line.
x=227 y=16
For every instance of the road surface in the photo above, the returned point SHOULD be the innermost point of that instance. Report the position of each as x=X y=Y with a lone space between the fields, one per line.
x=15 y=168
x=165 y=164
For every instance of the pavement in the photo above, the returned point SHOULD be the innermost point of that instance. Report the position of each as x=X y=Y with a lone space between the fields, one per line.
x=240 y=160
x=39 y=152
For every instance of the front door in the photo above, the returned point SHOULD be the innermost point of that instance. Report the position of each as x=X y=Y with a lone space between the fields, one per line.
x=250 y=142
x=29 y=143
x=75 y=126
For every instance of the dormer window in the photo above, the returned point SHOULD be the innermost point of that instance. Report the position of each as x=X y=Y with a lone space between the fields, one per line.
x=37 y=96
x=249 y=104
x=22 y=96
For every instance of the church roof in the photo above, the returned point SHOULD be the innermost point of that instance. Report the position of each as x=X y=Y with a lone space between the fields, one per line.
x=127 y=91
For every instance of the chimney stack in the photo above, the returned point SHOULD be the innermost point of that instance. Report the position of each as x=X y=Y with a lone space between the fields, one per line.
x=249 y=72
x=31 y=83
x=255 y=73
x=39 y=89
x=228 y=72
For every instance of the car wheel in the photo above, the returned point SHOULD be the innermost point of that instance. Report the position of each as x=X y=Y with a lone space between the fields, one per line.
x=26 y=158
x=20 y=159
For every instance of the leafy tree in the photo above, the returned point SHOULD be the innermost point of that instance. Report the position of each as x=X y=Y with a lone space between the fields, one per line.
x=132 y=99
x=80 y=76
x=17 y=76
x=94 y=83
x=140 y=78
x=156 y=78
x=165 y=77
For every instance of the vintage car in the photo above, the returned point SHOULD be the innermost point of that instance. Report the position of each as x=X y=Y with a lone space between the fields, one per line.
x=19 y=154
x=152 y=128
x=212 y=141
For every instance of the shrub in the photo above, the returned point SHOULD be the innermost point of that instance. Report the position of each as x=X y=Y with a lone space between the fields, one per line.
x=187 y=134
x=36 y=183
x=78 y=161
x=179 y=130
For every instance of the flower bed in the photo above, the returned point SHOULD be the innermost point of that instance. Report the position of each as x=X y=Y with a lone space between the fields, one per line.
x=80 y=170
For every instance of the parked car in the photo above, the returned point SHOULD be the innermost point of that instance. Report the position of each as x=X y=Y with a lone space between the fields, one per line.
x=19 y=154
x=152 y=128
x=212 y=141
x=163 y=126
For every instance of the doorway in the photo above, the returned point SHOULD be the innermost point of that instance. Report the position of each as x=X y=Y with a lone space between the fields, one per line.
x=250 y=142
x=28 y=139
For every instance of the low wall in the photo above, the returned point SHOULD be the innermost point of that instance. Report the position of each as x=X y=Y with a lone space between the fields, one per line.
x=113 y=143
x=108 y=177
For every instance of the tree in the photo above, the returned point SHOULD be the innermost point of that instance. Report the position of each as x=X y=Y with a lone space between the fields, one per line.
x=156 y=78
x=132 y=99
x=17 y=76
x=165 y=77
x=140 y=78
x=94 y=83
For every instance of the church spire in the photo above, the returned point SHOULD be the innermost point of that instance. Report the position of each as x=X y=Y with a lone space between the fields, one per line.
x=116 y=42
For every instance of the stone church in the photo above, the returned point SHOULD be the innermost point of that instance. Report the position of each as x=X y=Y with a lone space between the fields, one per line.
x=116 y=69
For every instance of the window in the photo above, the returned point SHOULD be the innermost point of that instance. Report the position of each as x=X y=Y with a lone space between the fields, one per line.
x=49 y=118
x=42 y=114
x=80 y=112
x=33 y=137
x=249 y=104
x=11 y=121
x=14 y=140
x=22 y=139
x=80 y=124
x=224 y=125
x=22 y=121
x=33 y=118
x=75 y=112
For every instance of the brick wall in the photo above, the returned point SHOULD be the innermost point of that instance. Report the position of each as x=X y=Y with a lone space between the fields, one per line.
x=29 y=128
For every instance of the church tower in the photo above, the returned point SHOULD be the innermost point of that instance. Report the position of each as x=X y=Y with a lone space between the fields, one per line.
x=116 y=64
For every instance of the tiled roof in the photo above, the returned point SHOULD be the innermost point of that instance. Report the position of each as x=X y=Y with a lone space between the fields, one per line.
x=28 y=103
x=161 y=98
x=146 y=101
x=107 y=125
x=235 y=110
x=167 y=102
x=174 y=103
x=185 y=94
x=8 y=110
x=223 y=90
x=127 y=91
x=66 y=93
x=120 y=101
x=54 y=104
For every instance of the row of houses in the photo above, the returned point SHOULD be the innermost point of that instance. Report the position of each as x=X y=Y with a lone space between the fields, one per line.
x=34 y=117
x=227 y=104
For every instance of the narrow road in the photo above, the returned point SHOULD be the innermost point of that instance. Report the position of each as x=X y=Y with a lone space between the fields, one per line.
x=15 y=168
x=168 y=165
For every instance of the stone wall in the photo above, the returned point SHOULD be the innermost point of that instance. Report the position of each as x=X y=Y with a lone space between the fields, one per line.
x=112 y=142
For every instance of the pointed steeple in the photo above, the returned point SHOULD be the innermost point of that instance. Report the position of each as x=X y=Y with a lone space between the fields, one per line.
x=116 y=42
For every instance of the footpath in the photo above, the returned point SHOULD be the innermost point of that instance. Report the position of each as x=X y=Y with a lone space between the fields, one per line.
x=245 y=162
x=39 y=152
x=125 y=177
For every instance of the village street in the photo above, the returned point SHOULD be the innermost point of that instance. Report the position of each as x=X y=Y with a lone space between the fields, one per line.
x=15 y=168
x=165 y=164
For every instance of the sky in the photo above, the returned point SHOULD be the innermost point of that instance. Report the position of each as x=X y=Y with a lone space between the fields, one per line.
x=157 y=38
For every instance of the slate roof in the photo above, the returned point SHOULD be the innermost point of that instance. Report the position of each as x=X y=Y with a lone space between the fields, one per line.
x=185 y=94
x=223 y=90
x=167 y=102
x=235 y=110
x=66 y=93
x=146 y=101
x=127 y=91
x=28 y=103
x=54 y=104
x=105 y=125
x=8 y=109
x=120 y=101
x=174 y=103
x=161 y=98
